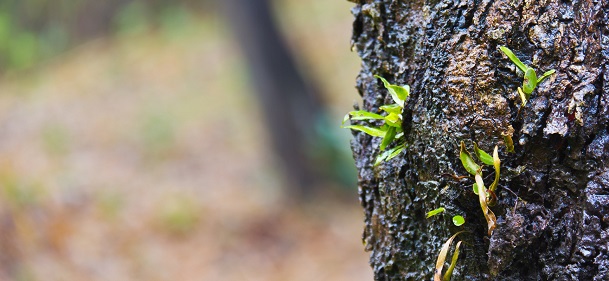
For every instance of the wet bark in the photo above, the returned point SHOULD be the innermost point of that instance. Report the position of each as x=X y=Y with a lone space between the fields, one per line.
x=464 y=88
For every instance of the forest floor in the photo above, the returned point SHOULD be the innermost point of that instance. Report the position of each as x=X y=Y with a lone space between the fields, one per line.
x=143 y=157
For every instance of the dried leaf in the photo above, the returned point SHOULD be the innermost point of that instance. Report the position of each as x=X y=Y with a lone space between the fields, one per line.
x=442 y=257
x=509 y=144
x=497 y=164
x=491 y=220
x=491 y=198
x=523 y=96
x=449 y=272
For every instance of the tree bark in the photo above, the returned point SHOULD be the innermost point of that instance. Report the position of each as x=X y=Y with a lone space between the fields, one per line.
x=464 y=89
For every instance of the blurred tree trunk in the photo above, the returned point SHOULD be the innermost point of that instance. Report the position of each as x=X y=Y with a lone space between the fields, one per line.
x=464 y=88
x=291 y=104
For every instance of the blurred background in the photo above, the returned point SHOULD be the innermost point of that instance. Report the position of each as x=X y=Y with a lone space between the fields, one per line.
x=177 y=140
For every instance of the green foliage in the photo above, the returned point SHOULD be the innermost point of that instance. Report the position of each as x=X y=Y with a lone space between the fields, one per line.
x=530 y=80
x=458 y=220
x=398 y=93
x=389 y=154
x=391 y=129
x=486 y=197
x=466 y=159
x=375 y=132
x=483 y=156
x=434 y=212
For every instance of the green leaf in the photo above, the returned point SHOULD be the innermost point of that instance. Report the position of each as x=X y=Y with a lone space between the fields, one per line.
x=514 y=59
x=545 y=75
x=388 y=154
x=530 y=82
x=398 y=93
x=365 y=115
x=434 y=212
x=389 y=136
x=394 y=120
x=395 y=152
x=392 y=108
x=497 y=164
x=475 y=186
x=345 y=118
x=381 y=158
x=373 y=131
x=449 y=271
x=458 y=220
x=483 y=156
x=467 y=161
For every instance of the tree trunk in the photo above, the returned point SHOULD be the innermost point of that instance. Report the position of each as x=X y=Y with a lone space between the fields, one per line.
x=464 y=89
x=292 y=104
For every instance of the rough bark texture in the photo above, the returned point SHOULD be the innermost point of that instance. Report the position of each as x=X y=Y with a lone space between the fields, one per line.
x=464 y=88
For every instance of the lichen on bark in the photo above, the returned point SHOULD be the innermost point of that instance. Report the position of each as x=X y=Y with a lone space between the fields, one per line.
x=463 y=88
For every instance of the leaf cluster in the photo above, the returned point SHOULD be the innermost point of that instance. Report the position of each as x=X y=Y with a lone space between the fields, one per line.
x=485 y=196
x=392 y=121
x=442 y=258
x=530 y=80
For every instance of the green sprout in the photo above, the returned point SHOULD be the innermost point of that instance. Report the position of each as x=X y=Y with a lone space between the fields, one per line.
x=391 y=129
x=434 y=212
x=458 y=220
x=486 y=196
x=530 y=77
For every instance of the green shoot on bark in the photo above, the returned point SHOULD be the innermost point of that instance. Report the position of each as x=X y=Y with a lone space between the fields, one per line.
x=434 y=212
x=530 y=80
x=458 y=220
x=392 y=121
x=486 y=196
